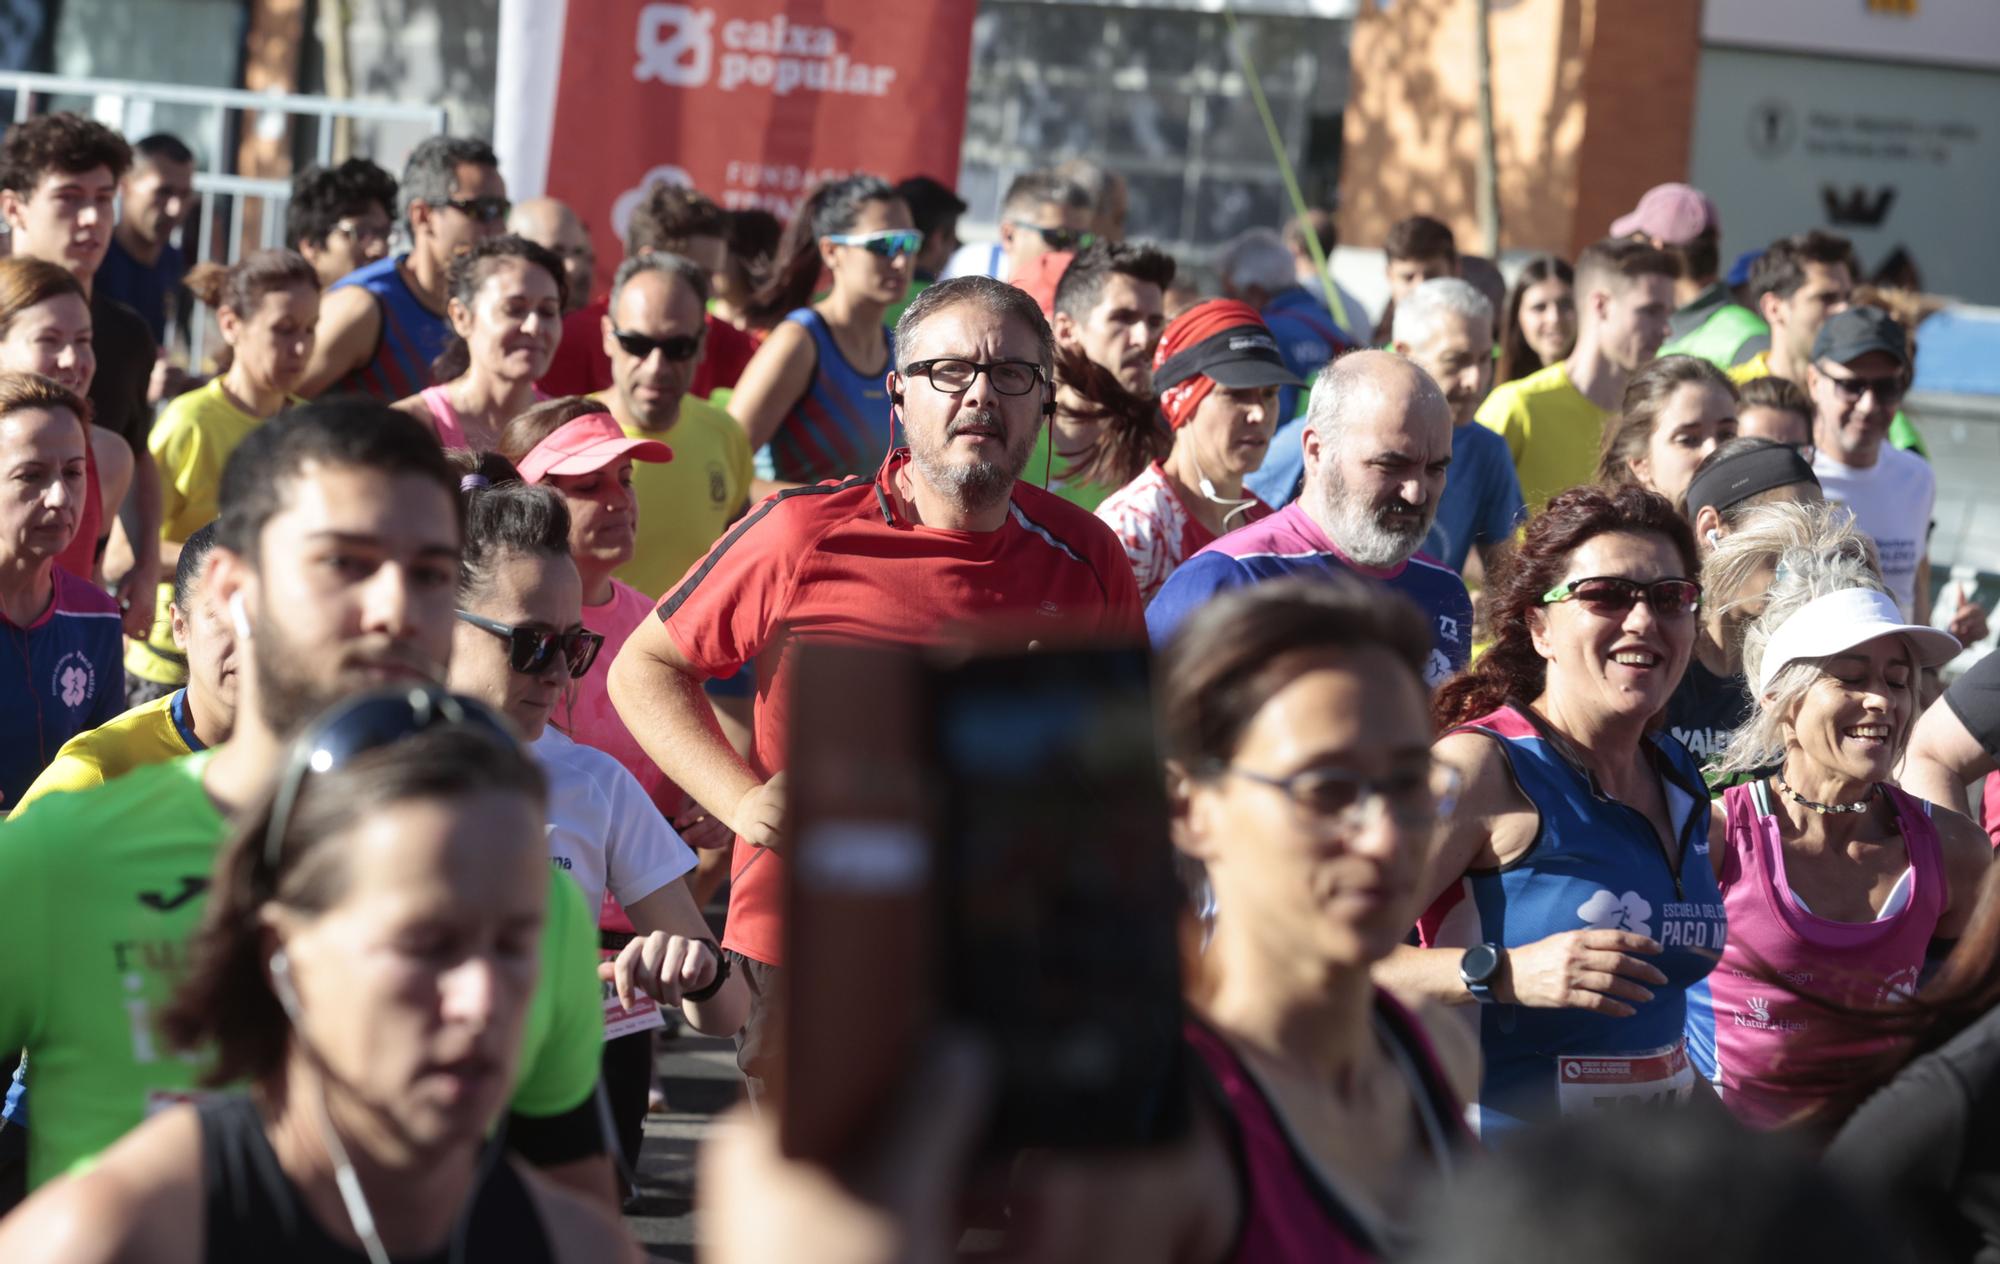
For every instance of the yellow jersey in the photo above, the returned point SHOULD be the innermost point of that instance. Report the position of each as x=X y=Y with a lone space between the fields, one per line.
x=1552 y=430
x=1750 y=370
x=150 y=733
x=684 y=504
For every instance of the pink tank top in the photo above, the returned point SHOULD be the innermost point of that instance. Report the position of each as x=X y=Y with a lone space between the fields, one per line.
x=1760 y=1031
x=1289 y=1214
x=445 y=418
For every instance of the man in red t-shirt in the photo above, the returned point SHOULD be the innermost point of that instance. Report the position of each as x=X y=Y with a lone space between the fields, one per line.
x=672 y=220
x=942 y=537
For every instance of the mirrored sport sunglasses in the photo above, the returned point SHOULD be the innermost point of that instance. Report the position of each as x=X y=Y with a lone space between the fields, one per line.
x=1613 y=595
x=365 y=723
x=531 y=650
x=1057 y=238
x=889 y=243
x=486 y=210
x=678 y=349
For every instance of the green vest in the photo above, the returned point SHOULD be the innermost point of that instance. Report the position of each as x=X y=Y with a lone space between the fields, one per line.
x=1720 y=337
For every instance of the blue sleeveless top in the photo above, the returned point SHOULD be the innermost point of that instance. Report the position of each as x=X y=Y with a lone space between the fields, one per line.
x=842 y=426
x=412 y=336
x=1594 y=863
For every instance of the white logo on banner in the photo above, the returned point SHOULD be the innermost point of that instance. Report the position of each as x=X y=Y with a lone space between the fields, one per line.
x=628 y=201
x=676 y=45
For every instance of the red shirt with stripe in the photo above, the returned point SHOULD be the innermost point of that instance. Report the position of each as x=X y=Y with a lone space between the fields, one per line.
x=839 y=561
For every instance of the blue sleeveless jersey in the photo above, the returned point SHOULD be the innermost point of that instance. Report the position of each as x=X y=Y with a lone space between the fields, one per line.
x=412 y=336
x=1594 y=863
x=842 y=426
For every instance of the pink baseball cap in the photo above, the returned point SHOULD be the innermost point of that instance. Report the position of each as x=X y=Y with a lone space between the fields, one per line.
x=587 y=443
x=1674 y=213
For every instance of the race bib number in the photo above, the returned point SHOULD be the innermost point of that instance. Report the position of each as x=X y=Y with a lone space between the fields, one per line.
x=618 y=1021
x=1635 y=1081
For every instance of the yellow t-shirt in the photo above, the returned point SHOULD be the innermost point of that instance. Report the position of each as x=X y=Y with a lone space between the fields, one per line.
x=684 y=504
x=1750 y=370
x=190 y=443
x=1551 y=428
x=150 y=733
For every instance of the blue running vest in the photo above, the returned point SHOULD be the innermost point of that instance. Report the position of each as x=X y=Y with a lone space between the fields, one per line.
x=412 y=336
x=1595 y=862
x=842 y=426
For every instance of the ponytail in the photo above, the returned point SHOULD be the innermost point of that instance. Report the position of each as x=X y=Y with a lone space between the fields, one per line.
x=1131 y=434
x=832 y=207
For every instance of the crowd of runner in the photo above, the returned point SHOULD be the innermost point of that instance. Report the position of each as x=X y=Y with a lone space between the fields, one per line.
x=400 y=705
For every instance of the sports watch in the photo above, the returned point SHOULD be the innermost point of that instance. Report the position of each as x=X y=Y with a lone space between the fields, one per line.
x=1478 y=968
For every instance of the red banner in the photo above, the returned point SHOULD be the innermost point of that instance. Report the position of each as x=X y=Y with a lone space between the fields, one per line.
x=752 y=101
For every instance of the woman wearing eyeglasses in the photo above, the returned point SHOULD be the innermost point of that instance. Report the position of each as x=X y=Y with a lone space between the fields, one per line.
x=1569 y=904
x=1838 y=884
x=364 y=966
x=507 y=298
x=520 y=645
x=815 y=391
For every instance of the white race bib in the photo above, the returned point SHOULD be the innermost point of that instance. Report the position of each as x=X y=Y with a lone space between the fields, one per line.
x=1662 y=1077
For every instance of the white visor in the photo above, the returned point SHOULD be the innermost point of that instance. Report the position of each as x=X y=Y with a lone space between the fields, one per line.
x=1838 y=622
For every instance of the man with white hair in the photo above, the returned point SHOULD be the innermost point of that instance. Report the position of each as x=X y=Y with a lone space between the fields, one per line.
x=1445 y=327
x=1376 y=445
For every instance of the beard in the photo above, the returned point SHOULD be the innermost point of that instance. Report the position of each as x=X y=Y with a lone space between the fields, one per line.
x=289 y=697
x=973 y=485
x=1377 y=536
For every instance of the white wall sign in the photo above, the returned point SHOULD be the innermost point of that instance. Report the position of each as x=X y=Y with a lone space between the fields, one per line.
x=1953 y=32
x=1887 y=155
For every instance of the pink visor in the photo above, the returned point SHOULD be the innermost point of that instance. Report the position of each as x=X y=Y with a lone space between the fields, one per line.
x=588 y=443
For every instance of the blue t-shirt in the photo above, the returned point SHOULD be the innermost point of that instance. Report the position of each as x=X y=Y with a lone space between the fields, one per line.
x=148 y=291
x=1482 y=496
x=63 y=674
x=1289 y=543
x=1595 y=863
x=1278 y=479
x=1307 y=338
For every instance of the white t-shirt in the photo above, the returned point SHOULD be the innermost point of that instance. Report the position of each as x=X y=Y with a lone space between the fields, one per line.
x=603 y=828
x=1891 y=501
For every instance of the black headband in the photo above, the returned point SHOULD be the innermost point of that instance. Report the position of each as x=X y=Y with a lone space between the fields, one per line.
x=1734 y=480
x=1229 y=346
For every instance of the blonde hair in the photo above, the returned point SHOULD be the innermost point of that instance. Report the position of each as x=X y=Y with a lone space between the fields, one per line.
x=1815 y=550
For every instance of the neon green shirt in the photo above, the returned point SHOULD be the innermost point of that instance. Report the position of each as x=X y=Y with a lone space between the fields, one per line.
x=1551 y=428
x=104 y=889
x=1086 y=496
x=149 y=733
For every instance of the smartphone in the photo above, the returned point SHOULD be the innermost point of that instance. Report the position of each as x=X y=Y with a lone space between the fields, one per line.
x=990 y=849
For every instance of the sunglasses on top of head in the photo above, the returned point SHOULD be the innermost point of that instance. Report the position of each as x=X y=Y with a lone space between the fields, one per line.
x=531 y=650
x=1057 y=238
x=678 y=349
x=486 y=210
x=889 y=243
x=1613 y=595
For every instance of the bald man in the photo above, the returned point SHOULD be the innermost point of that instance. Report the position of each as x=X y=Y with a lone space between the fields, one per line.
x=549 y=223
x=1376 y=443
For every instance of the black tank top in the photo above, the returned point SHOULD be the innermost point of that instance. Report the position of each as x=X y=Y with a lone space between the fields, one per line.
x=255 y=1212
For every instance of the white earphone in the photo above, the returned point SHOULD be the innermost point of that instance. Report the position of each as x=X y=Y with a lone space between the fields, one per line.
x=281 y=983
x=238 y=617
x=1714 y=537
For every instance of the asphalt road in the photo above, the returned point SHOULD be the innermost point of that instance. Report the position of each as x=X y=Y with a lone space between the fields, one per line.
x=699 y=1074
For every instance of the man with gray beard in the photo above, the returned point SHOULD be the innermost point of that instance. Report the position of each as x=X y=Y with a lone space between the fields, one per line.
x=943 y=540
x=1377 y=443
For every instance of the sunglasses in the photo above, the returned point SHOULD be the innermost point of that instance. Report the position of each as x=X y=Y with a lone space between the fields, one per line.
x=1612 y=595
x=531 y=650
x=1887 y=390
x=362 y=234
x=1057 y=238
x=889 y=243
x=367 y=723
x=486 y=210
x=677 y=349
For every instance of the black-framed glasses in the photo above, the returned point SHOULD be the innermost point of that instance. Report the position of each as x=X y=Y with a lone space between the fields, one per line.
x=1009 y=377
x=368 y=722
x=1057 y=238
x=1416 y=797
x=678 y=349
x=486 y=210
x=531 y=650
x=1613 y=595
x=1887 y=390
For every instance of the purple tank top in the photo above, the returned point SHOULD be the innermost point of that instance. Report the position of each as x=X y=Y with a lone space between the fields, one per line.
x=1290 y=1216
x=1760 y=1031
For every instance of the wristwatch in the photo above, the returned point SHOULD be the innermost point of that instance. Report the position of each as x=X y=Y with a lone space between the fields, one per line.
x=1478 y=968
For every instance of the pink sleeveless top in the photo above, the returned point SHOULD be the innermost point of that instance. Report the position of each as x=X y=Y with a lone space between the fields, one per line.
x=1289 y=1214
x=1752 y=1032
x=445 y=418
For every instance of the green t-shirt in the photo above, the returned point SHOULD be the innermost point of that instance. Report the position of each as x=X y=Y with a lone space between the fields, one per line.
x=1085 y=496
x=104 y=890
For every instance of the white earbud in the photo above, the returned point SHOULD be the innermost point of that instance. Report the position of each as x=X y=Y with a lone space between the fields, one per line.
x=1714 y=537
x=281 y=983
x=238 y=617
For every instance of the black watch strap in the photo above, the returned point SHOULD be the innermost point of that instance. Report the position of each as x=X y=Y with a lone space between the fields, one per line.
x=714 y=984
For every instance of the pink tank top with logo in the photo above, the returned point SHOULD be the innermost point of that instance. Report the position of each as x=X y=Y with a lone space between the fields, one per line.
x=450 y=432
x=1754 y=1034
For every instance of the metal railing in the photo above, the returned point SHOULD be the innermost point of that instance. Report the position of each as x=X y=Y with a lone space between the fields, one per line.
x=225 y=197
